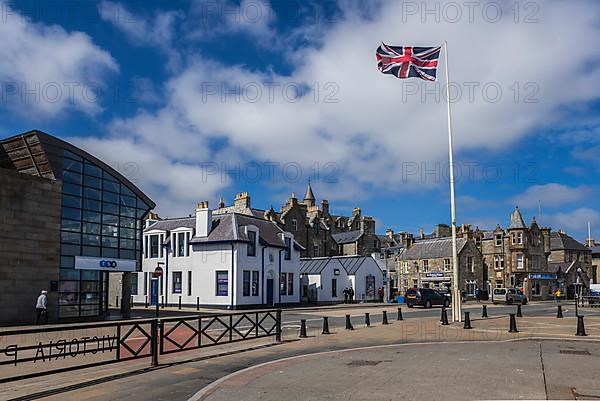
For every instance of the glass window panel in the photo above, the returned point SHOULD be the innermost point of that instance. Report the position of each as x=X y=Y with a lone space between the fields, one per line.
x=90 y=311
x=69 y=274
x=72 y=177
x=92 y=193
x=141 y=213
x=71 y=189
x=91 y=204
x=127 y=233
x=127 y=254
x=93 y=240
x=126 y=191
x=91 y=250
x=110 y=231
x=71 y=214
x=93 y=217
x=110 y=208
x=110 y=252
x=70 y=250
x=127 y=243
x=90 y=169
x=127 y=222
x=68 y=298
x=110 y=219
x=69 y=311
x=71 y=201
x=69 y=286
x=68 y=262
x=110 y=197
x=72 y=165
x=90 y=275
x=93 y=182
x=91 y=228
x=110 y=242
x=70 y=225
x=72 y=155
x=128 y=212
x=141 y=204
x=106 y=175
x=70 y=237
x=111 y=186
x=89 y=286
x=128 y=201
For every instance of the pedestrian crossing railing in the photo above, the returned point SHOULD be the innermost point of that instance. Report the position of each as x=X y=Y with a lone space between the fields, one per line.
x=28 y=353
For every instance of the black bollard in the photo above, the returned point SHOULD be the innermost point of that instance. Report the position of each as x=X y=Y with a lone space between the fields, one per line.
x=445 y=317
x=559 y=314
x=385 y=320
x=467 y=321
x=197 y=303
x=117 y=302
x=349 y=323
x=367 y=320
x=580 y=326
x=146 y=302
x=325 y=325
x=513 y=324
x=303 y=328
x=400 y=314
x=442 y=314
x=484 y=311
x=179 y=306
x=519 y=312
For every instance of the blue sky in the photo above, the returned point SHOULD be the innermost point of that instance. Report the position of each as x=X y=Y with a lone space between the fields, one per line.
x=196 y=100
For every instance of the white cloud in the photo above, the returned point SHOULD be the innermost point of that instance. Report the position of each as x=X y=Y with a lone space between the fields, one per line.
x=575 y=221
x=47 y=70
x=158 y=31
x=364 y=122
x=551 y=195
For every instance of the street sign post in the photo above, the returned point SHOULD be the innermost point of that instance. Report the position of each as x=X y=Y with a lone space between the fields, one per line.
x=154 y=293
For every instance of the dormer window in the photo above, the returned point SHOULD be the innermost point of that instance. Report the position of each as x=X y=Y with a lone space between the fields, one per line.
x=252 y=244
x=294 y=225
x=498 y=239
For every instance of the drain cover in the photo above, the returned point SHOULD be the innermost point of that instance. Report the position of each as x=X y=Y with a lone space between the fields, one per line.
x=364 y=363
x=574 y=352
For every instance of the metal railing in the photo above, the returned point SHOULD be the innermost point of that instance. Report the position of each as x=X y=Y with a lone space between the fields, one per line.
x=28 y=353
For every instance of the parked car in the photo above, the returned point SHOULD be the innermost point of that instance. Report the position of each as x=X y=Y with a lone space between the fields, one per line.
x=426 y=297
x=508 y=296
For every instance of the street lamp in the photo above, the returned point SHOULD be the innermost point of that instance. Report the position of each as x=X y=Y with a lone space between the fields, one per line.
x=577 y=291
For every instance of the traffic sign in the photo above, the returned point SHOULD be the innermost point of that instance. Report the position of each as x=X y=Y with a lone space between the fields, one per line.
x=157 y=272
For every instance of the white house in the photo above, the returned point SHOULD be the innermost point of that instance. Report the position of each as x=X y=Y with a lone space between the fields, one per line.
x=228 y=261
x=324 y=279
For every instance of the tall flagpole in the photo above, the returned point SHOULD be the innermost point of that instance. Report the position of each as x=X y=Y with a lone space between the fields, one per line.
x=456 y=297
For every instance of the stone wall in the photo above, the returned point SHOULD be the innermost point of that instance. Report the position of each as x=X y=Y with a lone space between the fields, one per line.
x=29 y=244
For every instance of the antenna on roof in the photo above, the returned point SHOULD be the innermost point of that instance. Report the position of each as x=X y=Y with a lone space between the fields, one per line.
x=539 y=209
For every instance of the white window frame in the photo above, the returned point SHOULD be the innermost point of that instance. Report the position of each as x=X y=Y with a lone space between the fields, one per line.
x=498 y=239
x=425 y=266
x=520 y=261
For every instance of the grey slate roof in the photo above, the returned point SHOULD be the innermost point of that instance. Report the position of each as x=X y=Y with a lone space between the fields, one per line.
x=347 y=237
x=559 y=241
x=554 y=267
x=432 y=249
x=227 y=228
x=309 y=195
x=316 y=265
x=516 y=219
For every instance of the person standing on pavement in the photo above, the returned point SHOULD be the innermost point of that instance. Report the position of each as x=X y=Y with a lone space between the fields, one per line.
x=381 y=293
x=41 y=308
x=477 y=295
x=351 y=294
x=557 y=295
x=346 y=295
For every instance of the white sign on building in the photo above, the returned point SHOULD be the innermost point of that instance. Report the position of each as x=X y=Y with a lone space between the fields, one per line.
x=105 y=264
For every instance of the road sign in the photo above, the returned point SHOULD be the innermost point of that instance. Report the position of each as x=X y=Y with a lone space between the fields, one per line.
x=157 y=272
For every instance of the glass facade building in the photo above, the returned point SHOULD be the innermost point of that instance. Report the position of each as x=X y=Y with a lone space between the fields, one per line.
x=100 y=217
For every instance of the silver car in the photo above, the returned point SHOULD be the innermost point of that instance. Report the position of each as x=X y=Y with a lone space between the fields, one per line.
x=508 y=296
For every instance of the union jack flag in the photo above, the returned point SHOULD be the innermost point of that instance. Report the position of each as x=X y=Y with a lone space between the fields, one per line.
x=406 y=61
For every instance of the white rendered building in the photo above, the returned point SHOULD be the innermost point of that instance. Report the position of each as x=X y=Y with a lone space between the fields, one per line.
x=225 y=261
x=323 y=280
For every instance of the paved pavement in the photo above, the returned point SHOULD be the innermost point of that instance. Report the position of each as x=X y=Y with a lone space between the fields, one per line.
x=182 y=375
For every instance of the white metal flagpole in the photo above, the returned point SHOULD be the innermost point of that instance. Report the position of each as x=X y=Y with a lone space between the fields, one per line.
x=456 y=297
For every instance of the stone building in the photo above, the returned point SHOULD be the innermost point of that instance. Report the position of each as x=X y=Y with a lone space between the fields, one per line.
x=319 y=232
x=428 y=263
x=517 y=256
x=68 y=219
x=569 y=259
x=595 y=276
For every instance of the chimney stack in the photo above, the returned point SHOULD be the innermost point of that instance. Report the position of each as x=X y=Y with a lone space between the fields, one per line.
x=389 y=233
x=203 y=219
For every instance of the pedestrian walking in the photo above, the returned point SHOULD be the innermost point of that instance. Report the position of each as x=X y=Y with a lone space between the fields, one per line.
x=351 y=294
x=346 y=295
x=381 y=294
x=477 y=295
x=557 y=295
x=41 y=308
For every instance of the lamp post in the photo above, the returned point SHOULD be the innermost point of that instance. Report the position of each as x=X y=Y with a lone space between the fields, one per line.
x=577 y=284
